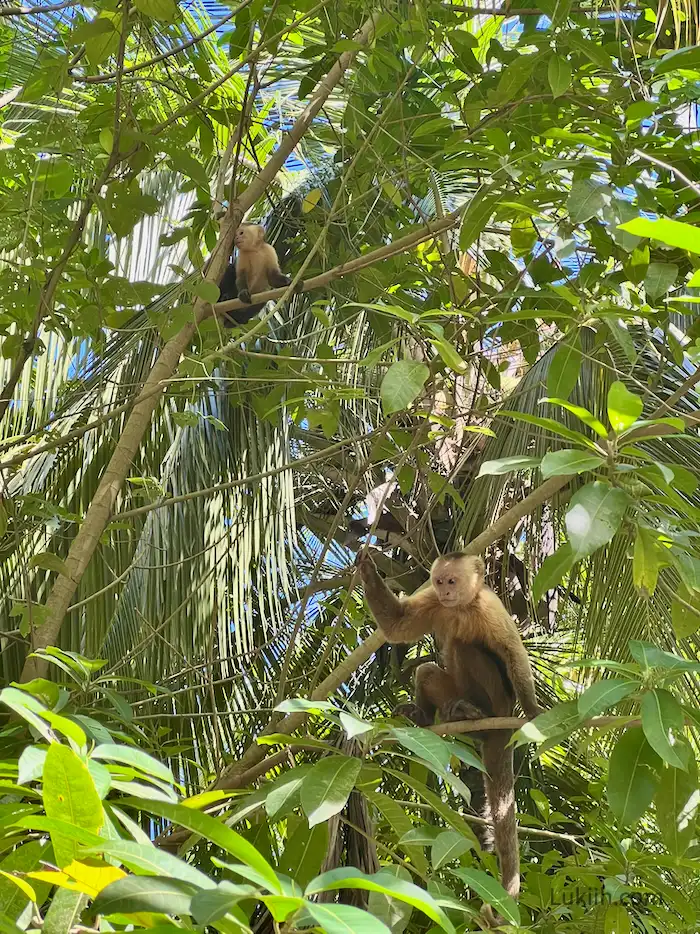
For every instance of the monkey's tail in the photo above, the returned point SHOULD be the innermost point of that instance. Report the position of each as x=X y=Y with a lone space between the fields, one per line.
x=500 y=795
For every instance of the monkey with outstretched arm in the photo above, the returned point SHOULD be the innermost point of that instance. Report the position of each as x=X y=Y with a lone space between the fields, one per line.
x=485 y=669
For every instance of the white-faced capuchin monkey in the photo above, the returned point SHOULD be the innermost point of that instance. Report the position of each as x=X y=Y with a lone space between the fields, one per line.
x=256 y=270
x=485 y=668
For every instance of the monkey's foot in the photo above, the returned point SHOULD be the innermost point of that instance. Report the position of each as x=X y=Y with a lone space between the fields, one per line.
x=412 y=712
x=490 y=918
x=460 y=710
x=244 y=296
x=299 y=287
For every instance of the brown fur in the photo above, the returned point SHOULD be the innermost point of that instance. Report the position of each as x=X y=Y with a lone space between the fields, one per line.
x=485 y=669
x=257 y=266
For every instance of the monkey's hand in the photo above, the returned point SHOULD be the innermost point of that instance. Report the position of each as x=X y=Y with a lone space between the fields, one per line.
x=459 y=709
x=244 y=296
x=412 y=712
x=365 y=565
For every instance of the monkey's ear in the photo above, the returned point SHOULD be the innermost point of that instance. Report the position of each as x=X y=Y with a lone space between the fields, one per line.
x=479 y=567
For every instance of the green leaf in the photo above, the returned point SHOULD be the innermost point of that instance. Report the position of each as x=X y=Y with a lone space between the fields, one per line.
x=353 y=726
x=69 y=795
x=304 y=852
x=301 y=704
x=685 y=621
x=583 y=414
x=387 y=884
x=214 y=831
x=586 y=199
x=661 y=715
x=49 y=562
x=624 y=407
x=513 y=78
x=64 y=912
x=164 y=10
x=344 y=919
x=633 y=776
x=564 y=368
x=402 y=385
x=23 y=859
x=649 y=656
x=207 y=291
x=426 y=744
x=559 y=721
x=212 y=905
x=491 y=892
x=558 y=75
x=553 y=569
x=145 y=893
x=326 y=789
x=129 y=755
x=566 y=462
x=449 y=845
x=284 y=791
x=549 y=424
x=593 y=517
x=30 y=765
x=688 y=59
x=604 y=694
x=659 y=279
x=672 y=233
x=617 y=920
x=677 y=802
x=479 y=212
x=647 y=560
x=152 y=860
x=506 y=465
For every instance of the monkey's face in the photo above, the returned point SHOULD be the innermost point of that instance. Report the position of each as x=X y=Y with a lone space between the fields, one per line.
x=456 y=582
x=249 y=236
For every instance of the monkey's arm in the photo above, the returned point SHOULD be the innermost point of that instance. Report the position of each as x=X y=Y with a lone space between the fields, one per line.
x=399 y=620
x=510 y=647
x=277 y=279
x=242 y=283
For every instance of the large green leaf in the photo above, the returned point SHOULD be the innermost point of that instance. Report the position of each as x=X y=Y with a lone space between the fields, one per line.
x=402 y=385
x=387 y=884
x=214 y=831
x=672 y=233
x=344 y=919
x=604 y=694
x=426 y=744
x=594 y=516
x=566 y=462
x=633 y=776
x=491 y=891
x=326 y=789
x=553 y=569
x=145 y=893
x=587 y=198
x=650 y=656
x=624 y=408
x=69 y=795
x=505 y=465
x=661 y=715
x=564 y=368
x=677 y=802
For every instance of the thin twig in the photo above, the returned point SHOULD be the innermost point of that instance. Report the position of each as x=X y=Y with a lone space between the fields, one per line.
x=669 y=168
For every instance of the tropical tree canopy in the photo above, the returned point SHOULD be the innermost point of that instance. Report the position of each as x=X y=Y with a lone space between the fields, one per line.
x=490 y=217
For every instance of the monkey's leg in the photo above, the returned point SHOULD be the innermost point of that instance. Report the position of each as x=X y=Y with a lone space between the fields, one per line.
x=242 y=285
x=433 y=689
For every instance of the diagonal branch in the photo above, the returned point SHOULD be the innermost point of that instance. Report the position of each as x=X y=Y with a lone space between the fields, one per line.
x=100 y=510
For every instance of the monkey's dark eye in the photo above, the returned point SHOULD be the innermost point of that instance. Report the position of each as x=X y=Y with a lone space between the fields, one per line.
x=439 y=580
x=451 y=580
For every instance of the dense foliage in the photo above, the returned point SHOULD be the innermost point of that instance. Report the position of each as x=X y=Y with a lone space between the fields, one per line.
x=496 y=220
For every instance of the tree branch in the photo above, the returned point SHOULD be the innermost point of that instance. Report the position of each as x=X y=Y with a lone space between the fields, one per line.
x=100 y=510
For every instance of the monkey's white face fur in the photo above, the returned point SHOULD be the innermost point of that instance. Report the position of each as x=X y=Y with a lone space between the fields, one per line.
x=249 y=237
x=456 y=581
